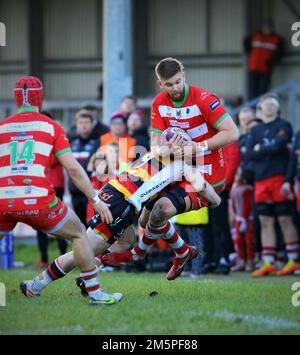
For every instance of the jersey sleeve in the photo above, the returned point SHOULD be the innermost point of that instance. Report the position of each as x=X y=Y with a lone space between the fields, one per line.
x=61 y=143
x=213 y=110
x=158 y=125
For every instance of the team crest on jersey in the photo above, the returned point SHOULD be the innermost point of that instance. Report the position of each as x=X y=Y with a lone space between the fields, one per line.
x=215 y=105
x=28 y=190
x=178 y=113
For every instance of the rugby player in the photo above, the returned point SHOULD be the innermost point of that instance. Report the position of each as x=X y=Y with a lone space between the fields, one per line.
x=201 y=114
x=28 y=139
x=126 y=194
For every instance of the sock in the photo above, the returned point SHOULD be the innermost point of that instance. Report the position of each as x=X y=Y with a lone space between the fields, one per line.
x=98 y=262
x=293 y=251
x=250 y=241
x=150 y=236
x=53 y=272
x=280 y=258
x=239 y=242
x=268 y=255
x=170 y=235
x=91 y=281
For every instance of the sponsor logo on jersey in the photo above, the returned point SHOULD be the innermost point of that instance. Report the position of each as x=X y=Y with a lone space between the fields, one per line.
x=105 y=196
x=179 y=113
x=21 y=137
x=30 y=202
x=152 y=189
x=215 y=105
x=180 y=124
x=11 y=203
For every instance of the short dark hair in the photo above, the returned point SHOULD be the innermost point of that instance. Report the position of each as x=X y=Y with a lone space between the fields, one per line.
x=168 y=67
x=130 y=97
x=83 y=115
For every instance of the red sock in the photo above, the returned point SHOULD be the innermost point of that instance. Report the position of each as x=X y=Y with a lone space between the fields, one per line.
x=250 y=241
x=150 y=236
x=175 y=241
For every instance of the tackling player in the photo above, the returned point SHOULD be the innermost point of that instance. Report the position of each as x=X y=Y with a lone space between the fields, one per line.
x=27 y=142
x=201 y=114
x=126 y=194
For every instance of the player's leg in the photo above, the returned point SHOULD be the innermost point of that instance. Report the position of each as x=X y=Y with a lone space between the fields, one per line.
x=71 y=229
x=157 y=227
x=284 y=211
x=204 y=189
x=267 y=221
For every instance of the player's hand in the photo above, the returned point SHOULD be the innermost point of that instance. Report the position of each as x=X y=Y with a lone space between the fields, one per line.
x=286 y=190
x=103 y=210
x=257 y=147
x=177 y=140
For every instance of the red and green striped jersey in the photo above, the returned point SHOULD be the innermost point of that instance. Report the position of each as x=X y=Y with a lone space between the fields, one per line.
x=199 y=114
x=27 y=142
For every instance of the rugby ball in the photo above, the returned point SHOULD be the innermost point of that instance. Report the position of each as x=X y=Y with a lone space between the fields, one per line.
x=169 y=133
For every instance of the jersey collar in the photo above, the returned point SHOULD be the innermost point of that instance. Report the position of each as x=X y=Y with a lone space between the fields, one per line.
x=28 y=109
x=180 y=103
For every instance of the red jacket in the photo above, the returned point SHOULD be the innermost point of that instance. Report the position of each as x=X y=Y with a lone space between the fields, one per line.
x=233 y=160
x=264 y=52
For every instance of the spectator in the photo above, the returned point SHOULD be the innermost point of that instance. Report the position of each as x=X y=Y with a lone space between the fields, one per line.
x=247 y=122
x=56 y=177
x=293 y=171
x=83 y=147
x=99 y=175
x=264 y=50
x=241 y=198
x=138 y=130
x=246 y=117
x=118 y=134
x=268 y=146
x=99 y=128
x=128 y=105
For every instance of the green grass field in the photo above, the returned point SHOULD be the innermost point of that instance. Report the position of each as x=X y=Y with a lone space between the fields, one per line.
x=235 y=304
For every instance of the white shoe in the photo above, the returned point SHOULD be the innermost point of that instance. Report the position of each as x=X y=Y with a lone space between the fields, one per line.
x=106 y=298
x=27 y=290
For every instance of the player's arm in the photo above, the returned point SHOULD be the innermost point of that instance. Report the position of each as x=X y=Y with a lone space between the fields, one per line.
x=227 y=134
x=62 y=151
x=160 y=146
x=82 y=182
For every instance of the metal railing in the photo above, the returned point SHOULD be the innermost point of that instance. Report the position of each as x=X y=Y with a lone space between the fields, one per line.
x=65 y=110
x=289 y=91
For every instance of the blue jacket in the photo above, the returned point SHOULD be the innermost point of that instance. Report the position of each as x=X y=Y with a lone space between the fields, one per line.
x=294 y=163
x=273 y=156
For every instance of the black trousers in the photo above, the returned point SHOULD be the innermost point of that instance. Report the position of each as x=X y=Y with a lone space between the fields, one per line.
x=43 y=239
x=79 y=202
x=258 y=84
x=194 y=235
x=219 y=244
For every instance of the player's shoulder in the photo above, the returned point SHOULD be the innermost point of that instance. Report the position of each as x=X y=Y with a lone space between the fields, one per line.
x=284 y=122
x=160 y=98
x=205 y=97
x=260 y=127
x=201 y=93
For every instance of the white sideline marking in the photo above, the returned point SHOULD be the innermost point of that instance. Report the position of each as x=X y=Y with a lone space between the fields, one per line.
x=272 y=323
